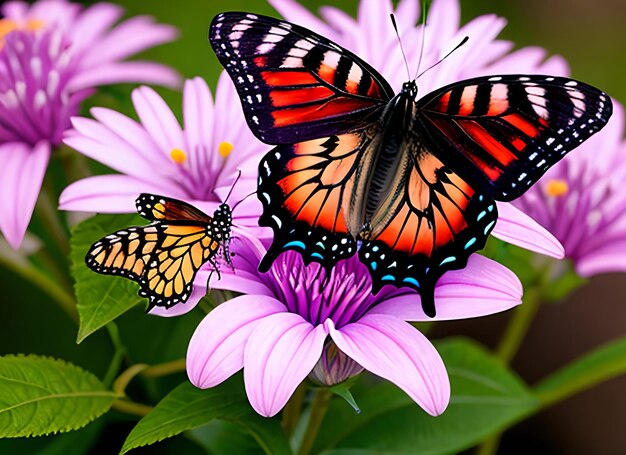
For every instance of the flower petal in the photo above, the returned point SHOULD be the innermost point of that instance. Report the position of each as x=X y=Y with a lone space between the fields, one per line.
x=21 y=174
x=280 y=353
x=120 y=72
x=111 y=193
x=483 y=287
x=216 y=349
x=515 y=227
x=396 y=351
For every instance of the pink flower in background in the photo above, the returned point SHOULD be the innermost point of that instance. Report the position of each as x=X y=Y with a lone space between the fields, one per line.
x=197 y=164
x=291 y=322
x=52 y=55
x=582 y=201
x=372 y=37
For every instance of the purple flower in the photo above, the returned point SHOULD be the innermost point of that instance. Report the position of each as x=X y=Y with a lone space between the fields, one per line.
x=293 y=323
x=52 y=55
x=197 y=164
x=372 y=37
x=581 y=200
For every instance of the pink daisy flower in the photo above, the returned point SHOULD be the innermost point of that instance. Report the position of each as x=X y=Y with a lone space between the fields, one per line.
x=197 y=163
x=52 y=55
x=582 y=202
x=372 y=37
x=292 y=323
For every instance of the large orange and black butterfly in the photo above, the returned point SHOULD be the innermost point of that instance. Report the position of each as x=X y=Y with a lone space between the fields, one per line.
x=164 y=256
x=408 y=183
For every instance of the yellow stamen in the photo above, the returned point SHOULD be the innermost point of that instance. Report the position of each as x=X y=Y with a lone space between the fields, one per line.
x=178 y=156
x=225 y=148
x=34 y=24
x=556 y=188
x=7 y=26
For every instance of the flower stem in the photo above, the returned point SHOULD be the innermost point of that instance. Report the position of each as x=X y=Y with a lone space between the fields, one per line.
x=490 y=446
x=521 y=320
x=118 y=356
x=293 y=408
x=164 y=369
x=318 y=411
x=130 y=407
x=30 y=273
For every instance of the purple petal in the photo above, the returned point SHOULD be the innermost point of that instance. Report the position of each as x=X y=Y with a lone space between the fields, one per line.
x=111 y=193
x=158 y=119
x=98 y=142
x=129 y=38
x=280 y=353
x=92 y=23
x=116 y=73
x=298 y=14
x=515 y=227
x=21 y=175
x=216 y=349
x=398 y=352
x=483 y=287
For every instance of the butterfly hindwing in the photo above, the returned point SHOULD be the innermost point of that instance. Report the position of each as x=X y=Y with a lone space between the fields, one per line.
x=164 y=256
x=503 y=133
x=294 y=84
x=302 y=188
x=435 y=224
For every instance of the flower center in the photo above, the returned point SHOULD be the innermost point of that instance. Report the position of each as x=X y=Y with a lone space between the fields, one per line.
x=7 y=26
x=225 y=148
x=343 y=296
x=556 y=188
x=178 y=156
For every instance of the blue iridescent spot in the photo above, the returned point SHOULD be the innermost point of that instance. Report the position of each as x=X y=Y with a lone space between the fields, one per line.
x=373 y=265
x=470 y=242
x=488 y=227
x=448 y=259
x=490 y=208
x=480 y=198
x=295 y=243
x=321 y=245
x=317 y=255
x=412 y=281
x=480 y=215
x=388 y=278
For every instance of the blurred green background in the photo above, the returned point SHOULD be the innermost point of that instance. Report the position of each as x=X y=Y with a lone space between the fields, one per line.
x=590 y=35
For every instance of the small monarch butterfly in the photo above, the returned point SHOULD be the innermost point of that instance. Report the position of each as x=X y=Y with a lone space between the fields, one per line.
x=164 y=256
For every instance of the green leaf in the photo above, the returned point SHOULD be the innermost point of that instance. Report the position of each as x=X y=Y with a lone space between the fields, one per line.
x=42 y=395
x=188 y=407
x=486 y=397
x=601 y=364
x=100 y=298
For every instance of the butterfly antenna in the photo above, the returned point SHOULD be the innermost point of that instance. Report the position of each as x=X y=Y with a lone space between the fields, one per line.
x=240 y=201
x=232 y=187
x=445 y=57
x=395 y=27
x=419 y=61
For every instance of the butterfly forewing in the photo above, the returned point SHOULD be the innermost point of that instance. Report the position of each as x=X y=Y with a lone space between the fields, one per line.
x=164 y=256
x=502 y=133
x=295 y=85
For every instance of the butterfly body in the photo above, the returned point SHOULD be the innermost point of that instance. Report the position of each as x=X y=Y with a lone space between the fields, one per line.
x=164 y=256
x=408 y=183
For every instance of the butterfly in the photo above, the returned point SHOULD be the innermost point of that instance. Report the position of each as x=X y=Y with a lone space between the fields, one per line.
x=407 y=184
x=165 y=255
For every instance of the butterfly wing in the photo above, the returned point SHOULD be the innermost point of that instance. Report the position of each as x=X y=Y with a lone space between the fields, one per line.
x=433 y=225
x=294 y=84
x=302 y=188
x=160 y=208
x=502 y=133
